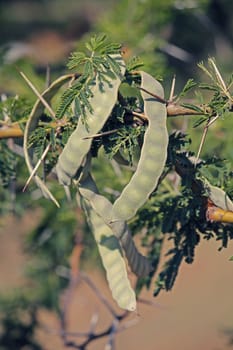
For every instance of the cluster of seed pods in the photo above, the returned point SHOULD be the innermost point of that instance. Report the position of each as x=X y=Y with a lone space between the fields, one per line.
x=113 y=216
x=109 y=220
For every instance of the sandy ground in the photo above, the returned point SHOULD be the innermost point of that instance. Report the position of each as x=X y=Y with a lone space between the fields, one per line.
x=192 y=316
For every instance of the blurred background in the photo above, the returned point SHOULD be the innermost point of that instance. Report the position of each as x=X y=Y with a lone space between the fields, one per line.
x=170 y=37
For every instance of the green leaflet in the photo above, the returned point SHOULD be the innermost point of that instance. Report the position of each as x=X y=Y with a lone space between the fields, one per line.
x=31 y=125
x=102 y=102
x=113 y=261
x=138 y=263
x=153 y=154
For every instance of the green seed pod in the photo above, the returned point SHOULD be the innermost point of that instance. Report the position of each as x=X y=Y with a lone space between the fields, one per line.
x=104 y=97
x=153 y=154
x=138 y=263
x=113 y=261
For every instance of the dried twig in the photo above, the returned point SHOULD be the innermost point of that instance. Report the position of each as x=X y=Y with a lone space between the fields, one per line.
x=118 y=323
x=162 y=100
x=210 y=121
x=171 y=97
x=44 y=154
x=101 y=134
x=75 y=278
x=97 y=292
x=36 y=92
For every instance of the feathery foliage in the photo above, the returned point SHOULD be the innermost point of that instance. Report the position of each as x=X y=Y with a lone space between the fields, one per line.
x=175 y=211
x=96 y=61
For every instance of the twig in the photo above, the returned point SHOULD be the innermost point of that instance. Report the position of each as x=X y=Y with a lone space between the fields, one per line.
x=154 y=95
x=174 y=110
x=75 y=276
x=100 y=134
x=37 y=166
x=46 y=105
x=63 y=333
x=36 y=92
x=139 y=115
x=171 y=97
x=220 y=80
x=210 y=121
x=98 y=293
x=149 y=303
x=11 y=131
x=47 y=76
x=111 y=339
x=93 y=322
x=216 y=214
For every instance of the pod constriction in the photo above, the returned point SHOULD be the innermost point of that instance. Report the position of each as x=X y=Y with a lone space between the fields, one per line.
x=104 y=97
x=153 y=154
x=138 y=263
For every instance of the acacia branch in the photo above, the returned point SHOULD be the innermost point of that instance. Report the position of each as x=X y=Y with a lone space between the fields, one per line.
x=11 y=131
x=14 y=130
x=174 y=110
x=216 y=214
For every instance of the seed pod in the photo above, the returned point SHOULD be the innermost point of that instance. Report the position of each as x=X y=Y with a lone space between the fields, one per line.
x=185 y=167
x=218 y=196
x=138 y=263
x=113 y=262
x=104 y=97
x=153 y=154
